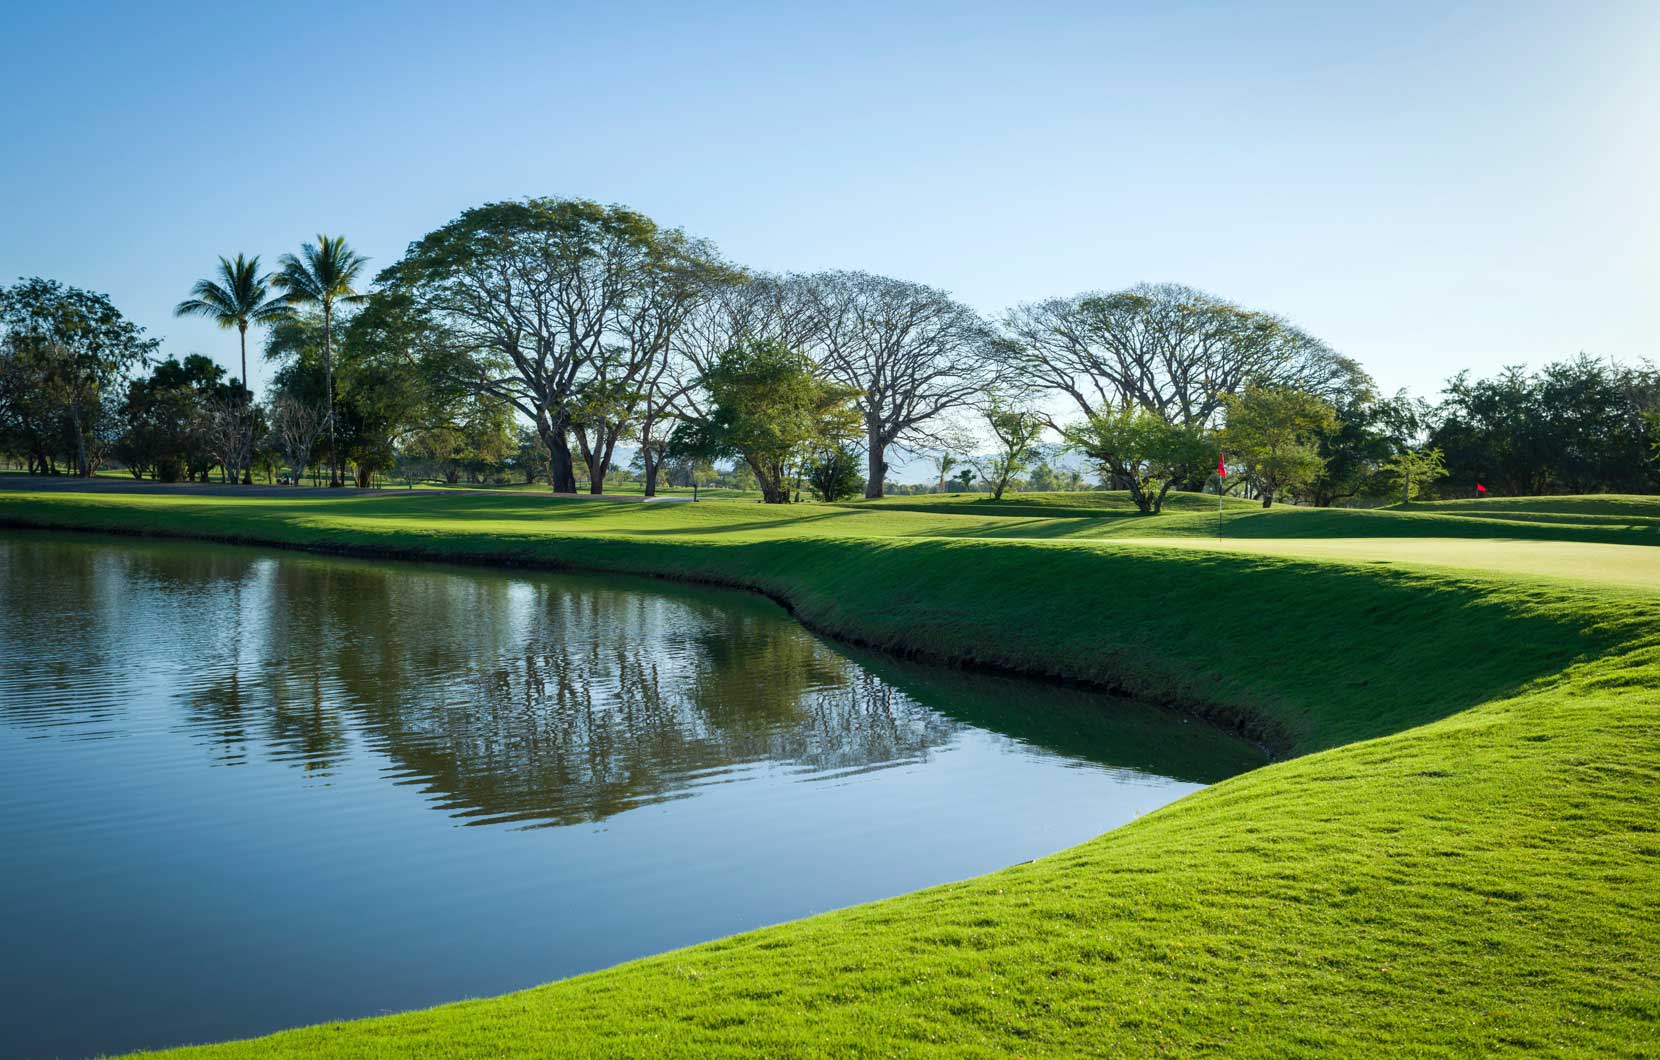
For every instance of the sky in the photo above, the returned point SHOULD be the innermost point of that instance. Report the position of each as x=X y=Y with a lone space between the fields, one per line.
x=1426 y=187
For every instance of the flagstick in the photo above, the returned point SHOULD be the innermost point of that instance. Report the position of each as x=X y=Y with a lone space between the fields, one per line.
x=1221 y=480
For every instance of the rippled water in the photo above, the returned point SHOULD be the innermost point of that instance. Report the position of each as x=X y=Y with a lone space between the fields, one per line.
x=244 y=791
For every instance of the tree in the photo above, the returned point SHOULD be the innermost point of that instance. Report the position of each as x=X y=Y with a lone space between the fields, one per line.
x=76 y=347
x=1367 y=431
x=732 y=311
x=771 y=408
x=1172 y=350
x=239 y=297
x=394 y=377
x=1577 y=426
x=943 y=463
x=225 y=428
x=1274 y=430
x=562 y=307
x=833 y=472
x=296 y=425
x=662 y=395
x=173 y=421
x=323 y=275
x=631 y=378
x=1417 y=469
x=1139 y=448
x=1043 y=478
x=31 y=419
x=1017 y=432
x=911 y=352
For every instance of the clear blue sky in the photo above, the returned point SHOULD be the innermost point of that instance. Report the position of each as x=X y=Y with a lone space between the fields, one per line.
x=1427 y=187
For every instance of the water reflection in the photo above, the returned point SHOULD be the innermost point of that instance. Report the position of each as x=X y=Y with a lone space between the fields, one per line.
x=513 y=699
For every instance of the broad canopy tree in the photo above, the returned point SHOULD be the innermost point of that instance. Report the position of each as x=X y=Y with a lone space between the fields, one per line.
x=169 y=421
x=562 y=308
x=1169 y=349
x=72 y=349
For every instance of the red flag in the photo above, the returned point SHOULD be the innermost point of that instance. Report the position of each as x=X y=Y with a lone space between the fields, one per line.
x=1222 y=466
x=1480 y=488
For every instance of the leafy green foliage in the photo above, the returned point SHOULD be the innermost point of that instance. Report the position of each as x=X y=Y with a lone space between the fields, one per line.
x=167 y=419
x=1579 y=426
x=1138 y=448
x=1273 y=429
x=1416 y=470
x=772 y=409
x=833 y=473
x=65 y=353
x=1367 y=432
x=1017 y=432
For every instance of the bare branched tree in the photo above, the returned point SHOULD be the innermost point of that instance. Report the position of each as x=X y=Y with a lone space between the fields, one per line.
x=627 y=388
x=225 y=428
x=295 y=428
x=728 y=312
x=913 y=352
x=1171 y=349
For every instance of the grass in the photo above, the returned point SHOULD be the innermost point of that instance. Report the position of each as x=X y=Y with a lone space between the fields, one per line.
x=1068 y=502
x=1458 y=855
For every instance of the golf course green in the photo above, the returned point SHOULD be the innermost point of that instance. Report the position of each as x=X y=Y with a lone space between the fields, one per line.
x=1456 y=852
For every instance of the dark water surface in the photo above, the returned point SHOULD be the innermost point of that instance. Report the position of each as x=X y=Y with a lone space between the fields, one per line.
x=241 y=791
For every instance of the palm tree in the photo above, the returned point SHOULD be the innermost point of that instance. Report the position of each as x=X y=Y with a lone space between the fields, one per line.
x=235 y=299
x=322 y=275
x=944 y=463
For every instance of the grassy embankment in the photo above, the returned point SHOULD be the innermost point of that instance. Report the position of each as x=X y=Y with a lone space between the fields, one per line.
x=1462 y=860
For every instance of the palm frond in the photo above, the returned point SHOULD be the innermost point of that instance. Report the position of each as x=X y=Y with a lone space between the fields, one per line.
x=238 y=297
x=323 y=272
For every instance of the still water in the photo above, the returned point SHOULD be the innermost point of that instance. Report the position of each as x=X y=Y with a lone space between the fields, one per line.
x=241 y=791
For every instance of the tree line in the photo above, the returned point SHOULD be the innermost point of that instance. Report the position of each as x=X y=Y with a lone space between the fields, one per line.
x=551 y=335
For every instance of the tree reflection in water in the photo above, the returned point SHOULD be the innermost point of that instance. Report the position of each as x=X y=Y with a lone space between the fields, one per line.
x=537 y=699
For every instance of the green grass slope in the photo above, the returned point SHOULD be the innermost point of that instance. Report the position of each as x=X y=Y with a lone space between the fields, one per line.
x=1081 y=502
x=1462 y=860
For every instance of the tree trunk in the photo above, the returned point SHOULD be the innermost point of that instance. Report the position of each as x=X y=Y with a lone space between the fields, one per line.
x=599 y=464
x=328 y=389
x=648 y=458
x=1143 y=503
x=561 y=473
x=774 y=490
x=247 y=397
x=83 y=466
x=1267 y=500
x=878 y=467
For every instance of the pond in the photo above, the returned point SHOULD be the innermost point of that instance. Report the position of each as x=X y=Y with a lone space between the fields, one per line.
x=245 y=790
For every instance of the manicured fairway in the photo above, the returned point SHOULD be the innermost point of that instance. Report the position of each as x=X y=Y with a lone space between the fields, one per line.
x=1460 y=855
x=1634 y=566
